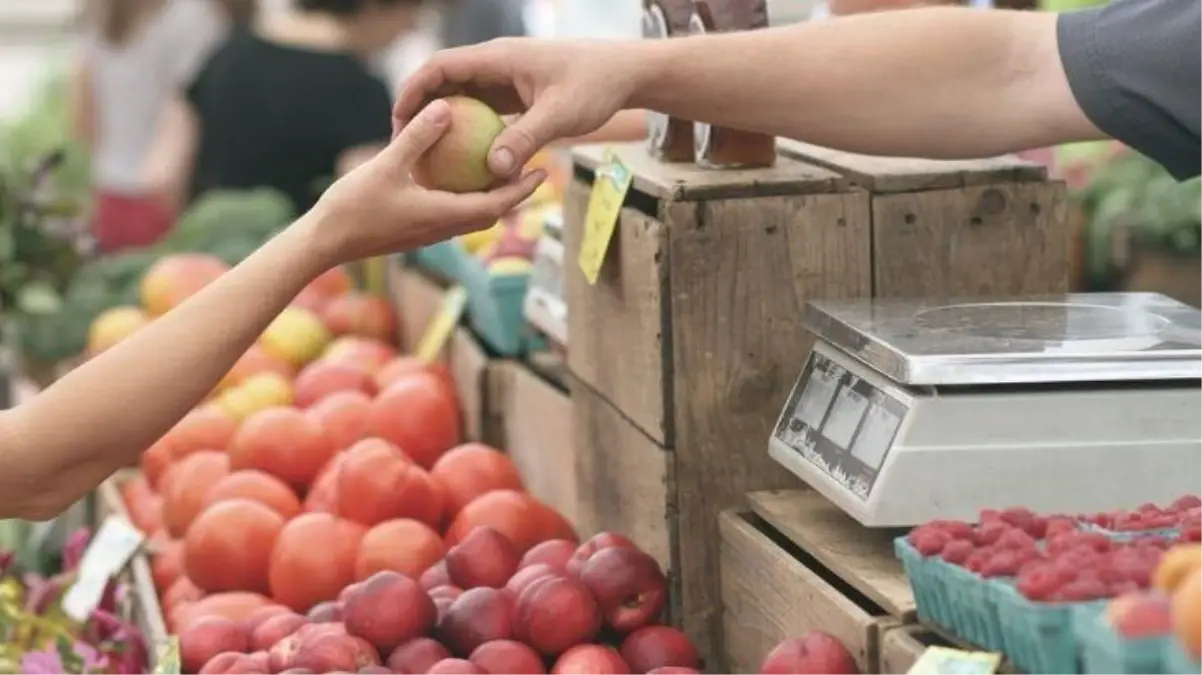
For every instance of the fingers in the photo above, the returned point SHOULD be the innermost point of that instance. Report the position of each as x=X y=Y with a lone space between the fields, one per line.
x=477 y=206
x=526 y=135
x=443 y=74
x=419 y=135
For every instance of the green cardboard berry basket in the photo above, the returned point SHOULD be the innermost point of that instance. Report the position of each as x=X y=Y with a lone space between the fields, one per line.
x=1038 y=637
x=494 y=306
x=1105 y=652
x=951 y=597
x=441 y=258
x=1177 y=661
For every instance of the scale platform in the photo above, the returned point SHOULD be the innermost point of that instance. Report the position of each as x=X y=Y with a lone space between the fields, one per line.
x=909 y=410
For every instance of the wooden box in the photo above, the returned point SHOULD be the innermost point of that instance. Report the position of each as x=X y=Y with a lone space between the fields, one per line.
x=687 y=346
x=538 y=435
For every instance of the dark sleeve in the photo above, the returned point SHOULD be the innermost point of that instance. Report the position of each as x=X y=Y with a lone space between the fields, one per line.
x=1134 y=69
x=363 y=116
x=476 y=21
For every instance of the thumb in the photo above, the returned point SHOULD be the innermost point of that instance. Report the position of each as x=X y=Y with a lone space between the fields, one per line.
x=422 y=132
x=514 y=147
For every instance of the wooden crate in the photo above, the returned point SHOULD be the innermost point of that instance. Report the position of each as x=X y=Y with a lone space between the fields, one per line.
x=417 y=299
x=687 y=346
x=902 y=644
x=537 y=414
x=772 y=591
x=985 y=227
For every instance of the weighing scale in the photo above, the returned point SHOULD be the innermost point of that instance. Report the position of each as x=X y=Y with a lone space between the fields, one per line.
x=909 y=410
x=544 y=304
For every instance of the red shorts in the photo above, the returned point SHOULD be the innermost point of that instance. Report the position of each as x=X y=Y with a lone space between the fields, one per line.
x=121 y=222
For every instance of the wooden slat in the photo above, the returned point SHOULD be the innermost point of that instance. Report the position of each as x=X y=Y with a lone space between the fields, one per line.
x=860 y=556
x=617 y=338
x=909 y=174
x=469 y=369
x=769 y=596
x=1004 y=239
x=902 y=645
x=687 y=182
x=539 y=438
x=417 y=299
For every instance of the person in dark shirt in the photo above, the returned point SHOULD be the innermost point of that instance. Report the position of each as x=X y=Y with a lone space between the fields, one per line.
x=287 y=103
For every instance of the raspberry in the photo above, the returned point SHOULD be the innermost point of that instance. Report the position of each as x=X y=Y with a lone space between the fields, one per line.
x=1148 y=507
x=957 y=551
x=930 y=542
x=1122 y=588
x=989 y=516
x=1185 y=503
x=1083 y=590
x=1003 y=563
x=1039 y=584
x=988 y=533
x=1058 y=525
x=1016 y=540
x=1019 y=517
x=977 y=559
x=958 y=529
x=1191 y=534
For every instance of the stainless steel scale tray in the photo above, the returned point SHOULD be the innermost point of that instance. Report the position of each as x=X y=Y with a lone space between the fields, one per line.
x=1081 y=337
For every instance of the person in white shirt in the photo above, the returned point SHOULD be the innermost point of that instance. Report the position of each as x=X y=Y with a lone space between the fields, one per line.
x=135 y=54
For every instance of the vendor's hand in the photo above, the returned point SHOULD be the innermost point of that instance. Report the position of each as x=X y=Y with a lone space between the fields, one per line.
x=377 y=208
x=559 y=89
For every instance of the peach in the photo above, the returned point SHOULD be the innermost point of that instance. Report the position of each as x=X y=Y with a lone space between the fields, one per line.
x=234 y=664
x=1140 y=616
x=361 y=314
x=553 y=552
x=591 y=659
x=113 y=326
x=274 y=629
x=458 y=162
x=448 y=592
x=387 y=610
x=628 y=584
x=331 y=652
x=283 y=655
x=555 y=614
x=814 y=652
x=205 y=638
x=485 y=557
x=479 y=615
x=435 y=576
x=455 y=667
x=507 y=656
x=373 y=670
x=654 y=647
x=323 y=378
x=528 y=575
x=598 y=542
x=326 y=612
x=417 y=655
x=220 y=664
x=673 y=670
x=344 y=415
x=364 y=352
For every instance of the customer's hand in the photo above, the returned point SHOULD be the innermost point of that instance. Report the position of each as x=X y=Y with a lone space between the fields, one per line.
x=559 y=89
x=377 y=208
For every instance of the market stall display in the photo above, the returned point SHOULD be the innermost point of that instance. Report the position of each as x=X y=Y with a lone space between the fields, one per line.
x=705 y=280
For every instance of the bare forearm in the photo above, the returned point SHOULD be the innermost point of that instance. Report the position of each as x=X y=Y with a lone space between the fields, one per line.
x=938 y=82
x=104 y=414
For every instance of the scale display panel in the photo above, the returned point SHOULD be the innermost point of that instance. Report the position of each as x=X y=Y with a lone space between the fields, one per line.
x=909 y=410
x=841 y=423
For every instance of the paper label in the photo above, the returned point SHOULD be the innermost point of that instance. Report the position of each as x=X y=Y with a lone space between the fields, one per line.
x=605 y=203
x=947 y=661
x=440 y=329
x=109 y=552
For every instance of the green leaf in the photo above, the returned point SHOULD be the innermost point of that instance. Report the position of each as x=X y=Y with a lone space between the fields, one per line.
x=8 y=245
x=39 y=299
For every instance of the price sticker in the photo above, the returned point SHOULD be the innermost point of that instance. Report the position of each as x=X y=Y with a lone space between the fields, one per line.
x=167 y=658
x=609 y=191
x=107 y=555
x=948 y=661
x=440 y=329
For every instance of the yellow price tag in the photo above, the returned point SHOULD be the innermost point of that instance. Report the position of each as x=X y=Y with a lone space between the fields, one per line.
x=609 y=191
x=948 y=661
x=439 y=330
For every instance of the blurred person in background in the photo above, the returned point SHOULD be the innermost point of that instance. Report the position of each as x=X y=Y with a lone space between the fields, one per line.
x=134 y=55
x=287 y=103
x=469 y=22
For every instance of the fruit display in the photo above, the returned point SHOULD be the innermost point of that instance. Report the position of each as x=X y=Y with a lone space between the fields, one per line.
x=37 y=636
x=814 y=652
x=1013 y=581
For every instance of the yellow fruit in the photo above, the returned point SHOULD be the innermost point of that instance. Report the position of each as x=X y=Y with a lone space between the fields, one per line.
x=113 y=326
x=458 y=162
x=1187 y=608
x=544 y=194
x=268 y=390
x=475 y=241
x=1177 y=563
x=507 y=266
x=296 y=336
x=236 y=403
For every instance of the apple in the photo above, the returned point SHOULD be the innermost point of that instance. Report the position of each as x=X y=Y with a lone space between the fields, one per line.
x=814 y=652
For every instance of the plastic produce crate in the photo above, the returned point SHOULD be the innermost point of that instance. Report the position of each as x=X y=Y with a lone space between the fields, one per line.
x=441 y=258
x=1103 y=651
x=495 y=307
x=1038 y=637
x=951 y=597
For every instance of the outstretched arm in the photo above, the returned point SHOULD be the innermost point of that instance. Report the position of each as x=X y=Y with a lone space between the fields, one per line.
x=102 y=415
x=938 y=82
